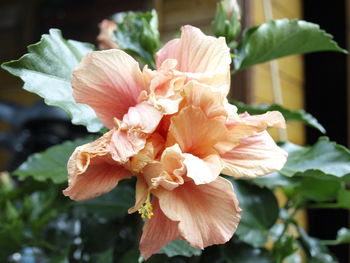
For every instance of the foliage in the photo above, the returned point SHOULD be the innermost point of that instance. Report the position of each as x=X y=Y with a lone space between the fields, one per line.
x=39 y=224
x=138 y=35
x=47 y=69
x=280 y=38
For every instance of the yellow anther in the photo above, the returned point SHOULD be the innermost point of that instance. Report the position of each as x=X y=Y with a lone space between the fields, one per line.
x=146 y=210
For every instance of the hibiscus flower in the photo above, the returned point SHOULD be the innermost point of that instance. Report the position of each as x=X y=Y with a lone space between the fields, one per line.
x=173 y=129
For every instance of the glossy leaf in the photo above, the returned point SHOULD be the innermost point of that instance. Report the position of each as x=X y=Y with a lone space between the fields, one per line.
x=257 y=217
x=289 y=115
x=280 y=38
x=179 y=247
x=46 y=70
x=323 y=157
x=50 y=164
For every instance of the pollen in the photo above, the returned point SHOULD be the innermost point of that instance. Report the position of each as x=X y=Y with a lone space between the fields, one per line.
x=146 y=210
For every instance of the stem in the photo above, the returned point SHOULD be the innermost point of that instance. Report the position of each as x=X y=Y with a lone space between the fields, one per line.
x=323 y=205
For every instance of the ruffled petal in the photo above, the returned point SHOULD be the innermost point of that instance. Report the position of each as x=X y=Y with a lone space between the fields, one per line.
x=91 y=171
x=110 y=82
x=195 y=132
x=257 y=155
x=208 y=214
x=143 y=117
x=126 y=143
x=210 y=101
x=157 y=232
x=196 y=52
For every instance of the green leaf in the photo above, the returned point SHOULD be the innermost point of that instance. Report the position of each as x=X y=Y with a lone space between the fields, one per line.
x=280 y=38
x=289 y=115
x=113 y=204
x=257 y=217
x=47 y=69
x=179 y=247
x=52 y=163
x=103 y=257
x=138 y=34
x=242 y=253
x=343 y=237
x=343 y=198
x=323 y=157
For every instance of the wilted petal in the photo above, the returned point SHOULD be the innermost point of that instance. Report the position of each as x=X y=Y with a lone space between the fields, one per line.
x=157 y=232
x=208 y=214
x=91 y=171
x=110 y=82
x=255 y=156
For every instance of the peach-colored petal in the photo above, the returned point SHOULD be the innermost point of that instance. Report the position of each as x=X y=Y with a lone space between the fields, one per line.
x=91 y=171
x=143 y=117
x=195 y=132
x=257 y=155
x=249 y=125
x=110 y=82
x=200 y=57
x=126 y=143
x=148 y=154
x=208 y=214
x=169 y=171
x=205 y=170
x=157 y=232
x=210 y=101
x=196 y=52
x=104 y=39
x=168 y=51
x=141 y=194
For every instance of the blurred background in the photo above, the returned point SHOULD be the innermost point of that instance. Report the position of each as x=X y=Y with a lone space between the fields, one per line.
x=316 y=82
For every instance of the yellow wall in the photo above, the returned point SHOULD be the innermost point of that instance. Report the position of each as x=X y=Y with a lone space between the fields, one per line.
x=290 y=68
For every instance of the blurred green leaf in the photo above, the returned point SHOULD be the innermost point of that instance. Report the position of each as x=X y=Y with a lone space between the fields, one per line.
x=242 y=253
x=111 y=205
x=50 y=164
x=343 y=198
x=279 y=38
x=179 y=247
x=283 y=248
x=289 y=115
x=257 y=217
x=11 y=237
x=138 y=34
x=131 y=255
x=47 y=69
x=103 y=257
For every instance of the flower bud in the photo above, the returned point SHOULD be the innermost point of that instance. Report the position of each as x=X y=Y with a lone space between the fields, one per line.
x=105 y=38
x=227 y=21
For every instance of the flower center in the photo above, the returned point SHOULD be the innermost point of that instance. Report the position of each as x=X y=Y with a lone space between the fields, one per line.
x=146 y=210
